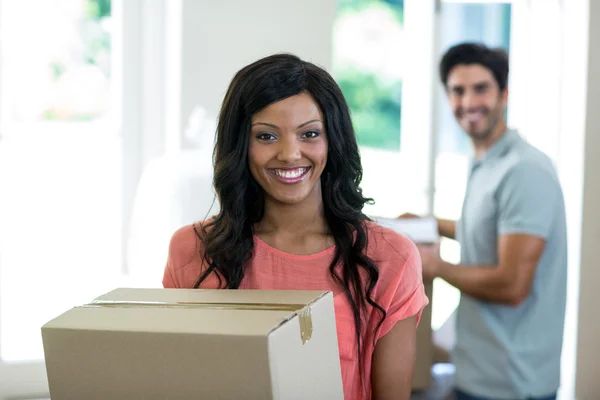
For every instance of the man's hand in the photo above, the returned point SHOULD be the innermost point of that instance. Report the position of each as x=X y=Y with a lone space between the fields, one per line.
x=407 y=216
x=430 y=259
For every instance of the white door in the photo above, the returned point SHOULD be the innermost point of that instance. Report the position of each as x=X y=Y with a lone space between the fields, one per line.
x=60 y=168
x=484 y=21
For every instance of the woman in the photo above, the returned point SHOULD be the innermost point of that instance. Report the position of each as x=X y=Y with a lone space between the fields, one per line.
x=287 y=172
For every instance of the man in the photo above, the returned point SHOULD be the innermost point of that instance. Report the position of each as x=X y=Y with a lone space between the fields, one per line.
x=512 y=233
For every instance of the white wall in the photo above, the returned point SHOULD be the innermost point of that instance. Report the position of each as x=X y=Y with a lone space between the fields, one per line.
x=571 y=124
x=221 y=37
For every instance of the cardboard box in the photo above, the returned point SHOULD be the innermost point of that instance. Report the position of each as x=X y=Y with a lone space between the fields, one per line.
x=195 y=344
x=422 y=231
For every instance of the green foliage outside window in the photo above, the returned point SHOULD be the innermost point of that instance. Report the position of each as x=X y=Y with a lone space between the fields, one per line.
x=98 y=9
x=96 y=39
x=374 y=100
x=80 y=74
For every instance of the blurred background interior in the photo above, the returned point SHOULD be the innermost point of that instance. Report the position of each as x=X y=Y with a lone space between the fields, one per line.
x=107 y=116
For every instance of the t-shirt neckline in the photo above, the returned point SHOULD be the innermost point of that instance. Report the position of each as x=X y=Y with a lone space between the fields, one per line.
x=283 y=254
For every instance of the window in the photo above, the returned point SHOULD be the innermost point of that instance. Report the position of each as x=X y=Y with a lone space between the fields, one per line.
x=60 y=162
x=368 y=37
x=60 y=172
x=370 y=43
x=65 y=73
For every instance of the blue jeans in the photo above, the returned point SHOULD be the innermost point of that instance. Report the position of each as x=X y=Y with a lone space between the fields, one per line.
x=460 y=395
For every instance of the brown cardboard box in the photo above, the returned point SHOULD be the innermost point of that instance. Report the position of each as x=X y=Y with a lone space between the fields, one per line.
x=422 y=231
x=195 y=344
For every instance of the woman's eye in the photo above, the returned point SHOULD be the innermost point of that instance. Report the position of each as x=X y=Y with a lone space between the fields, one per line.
x=265 y=136
x=310 y=134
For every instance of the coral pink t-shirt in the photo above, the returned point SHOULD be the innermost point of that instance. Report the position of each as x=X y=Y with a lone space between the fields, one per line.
x=399 y=289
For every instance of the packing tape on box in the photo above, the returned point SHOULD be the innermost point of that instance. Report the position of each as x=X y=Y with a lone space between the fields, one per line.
x=301 y=310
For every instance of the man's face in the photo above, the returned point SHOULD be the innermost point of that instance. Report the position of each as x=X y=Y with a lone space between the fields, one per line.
x=476 y=100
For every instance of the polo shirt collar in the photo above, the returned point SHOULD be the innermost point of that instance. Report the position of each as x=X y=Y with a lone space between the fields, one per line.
x=499 y=148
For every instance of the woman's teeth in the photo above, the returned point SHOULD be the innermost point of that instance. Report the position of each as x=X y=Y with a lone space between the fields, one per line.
x=290 y=173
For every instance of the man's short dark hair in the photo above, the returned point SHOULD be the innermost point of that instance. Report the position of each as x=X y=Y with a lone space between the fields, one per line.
x=496 y=60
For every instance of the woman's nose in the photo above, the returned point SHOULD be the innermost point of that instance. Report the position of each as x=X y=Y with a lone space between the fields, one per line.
x=289 y=151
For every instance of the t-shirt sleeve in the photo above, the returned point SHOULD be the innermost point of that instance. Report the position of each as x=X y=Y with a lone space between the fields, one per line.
x=527 y=200
x=169 y=280
x=182 y=266
x=405 y=293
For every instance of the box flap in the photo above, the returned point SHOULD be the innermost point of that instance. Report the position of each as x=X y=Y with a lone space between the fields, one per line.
x=230 y=312
x=214 y=296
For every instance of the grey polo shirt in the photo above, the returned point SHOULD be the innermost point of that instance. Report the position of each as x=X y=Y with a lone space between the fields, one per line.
x=505 y=352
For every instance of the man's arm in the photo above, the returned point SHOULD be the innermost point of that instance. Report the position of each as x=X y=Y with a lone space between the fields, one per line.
x=529 y=201
x=446 y=228
x=509 y=282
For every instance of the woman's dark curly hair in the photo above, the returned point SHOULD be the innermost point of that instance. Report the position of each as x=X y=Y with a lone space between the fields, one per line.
x=228 y=237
